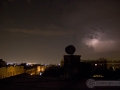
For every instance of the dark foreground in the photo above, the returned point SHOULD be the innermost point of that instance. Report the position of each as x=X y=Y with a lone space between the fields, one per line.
x=27 y=82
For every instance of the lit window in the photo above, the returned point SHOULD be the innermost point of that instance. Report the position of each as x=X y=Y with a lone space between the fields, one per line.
x=42 y=69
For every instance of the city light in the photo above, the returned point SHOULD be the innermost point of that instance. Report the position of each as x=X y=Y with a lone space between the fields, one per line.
x=98 y=76
x=40 y=73
x=95 y=64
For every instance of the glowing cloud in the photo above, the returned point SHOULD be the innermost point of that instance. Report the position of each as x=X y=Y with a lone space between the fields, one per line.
x=101 y=43
x=91 y=43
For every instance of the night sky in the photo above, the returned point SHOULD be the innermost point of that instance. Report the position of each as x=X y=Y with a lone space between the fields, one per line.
x=39 y=30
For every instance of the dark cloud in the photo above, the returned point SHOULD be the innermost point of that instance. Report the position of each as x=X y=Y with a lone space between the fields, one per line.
x=93 y=26
x=52 y=32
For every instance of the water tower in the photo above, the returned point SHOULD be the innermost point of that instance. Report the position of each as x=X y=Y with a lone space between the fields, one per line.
x=71 y=62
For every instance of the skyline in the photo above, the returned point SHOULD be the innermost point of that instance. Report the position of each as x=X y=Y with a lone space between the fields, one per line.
x=39 y=30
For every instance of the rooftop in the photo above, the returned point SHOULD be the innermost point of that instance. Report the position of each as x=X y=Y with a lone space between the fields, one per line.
x=36 y=82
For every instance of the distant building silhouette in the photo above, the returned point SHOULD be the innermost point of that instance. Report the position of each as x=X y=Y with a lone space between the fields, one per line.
x=2 y=63
x=104 y=63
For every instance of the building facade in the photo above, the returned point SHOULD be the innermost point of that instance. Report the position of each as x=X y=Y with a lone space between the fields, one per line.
x=10 y=71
